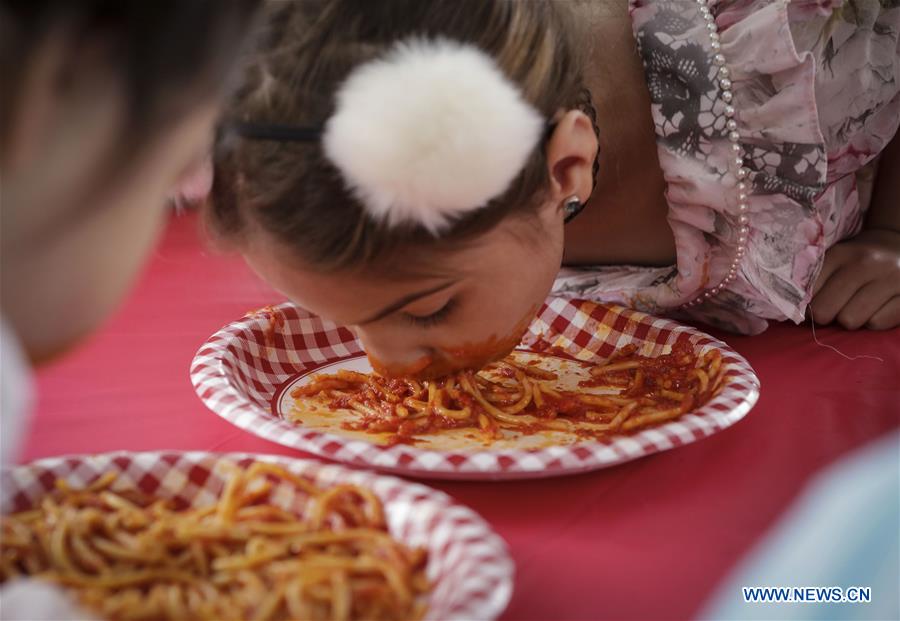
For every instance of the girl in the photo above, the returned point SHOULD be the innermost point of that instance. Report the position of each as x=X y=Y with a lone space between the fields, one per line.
x=105 y=106
x=406 y=168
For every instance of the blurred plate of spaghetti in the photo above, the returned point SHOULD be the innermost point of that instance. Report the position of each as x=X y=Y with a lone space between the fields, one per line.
x=257 y=374
x=221 y=536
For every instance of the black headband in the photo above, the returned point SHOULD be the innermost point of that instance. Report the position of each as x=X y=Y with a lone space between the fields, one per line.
x=293 y=133
x=280 y=133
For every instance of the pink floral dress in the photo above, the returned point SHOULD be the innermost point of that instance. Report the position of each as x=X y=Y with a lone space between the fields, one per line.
x=814 y=96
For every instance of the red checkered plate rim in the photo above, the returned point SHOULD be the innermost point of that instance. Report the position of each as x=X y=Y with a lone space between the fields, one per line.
x=239 y=370
x=468 y=563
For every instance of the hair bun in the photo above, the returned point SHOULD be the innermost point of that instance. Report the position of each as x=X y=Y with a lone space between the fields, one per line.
x=429 y=132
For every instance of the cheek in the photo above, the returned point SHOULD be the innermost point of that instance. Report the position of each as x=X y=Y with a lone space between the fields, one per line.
x=78 y=279
x=474 y=354
x=515 y=289
x=120 y=245
x=491 y=326
x=504 y=307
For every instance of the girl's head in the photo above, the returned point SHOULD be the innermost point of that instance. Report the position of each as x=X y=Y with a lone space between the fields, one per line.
x=428 y=217
x=105 y=104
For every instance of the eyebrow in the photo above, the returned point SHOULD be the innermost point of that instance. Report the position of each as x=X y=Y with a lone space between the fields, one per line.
x=408 y=299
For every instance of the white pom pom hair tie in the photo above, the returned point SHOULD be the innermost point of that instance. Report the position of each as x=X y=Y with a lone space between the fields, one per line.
x=425 y=134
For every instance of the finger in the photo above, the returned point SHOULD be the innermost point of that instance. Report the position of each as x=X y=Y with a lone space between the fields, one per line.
x=834 y=259
x=887 y=317
x=865 y=303
x=835 y=294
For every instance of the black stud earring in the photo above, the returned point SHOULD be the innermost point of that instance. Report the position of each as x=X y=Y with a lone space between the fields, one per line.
x=571 y=208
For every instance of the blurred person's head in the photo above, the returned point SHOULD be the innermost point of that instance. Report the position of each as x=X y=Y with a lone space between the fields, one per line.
x=105 y=105
x=443 y=266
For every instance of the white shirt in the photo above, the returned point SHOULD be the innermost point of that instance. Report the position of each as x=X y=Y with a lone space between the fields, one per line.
x=16 y=395
x=24 y=598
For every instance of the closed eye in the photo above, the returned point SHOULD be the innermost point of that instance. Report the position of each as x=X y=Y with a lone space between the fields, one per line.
x=435 y=318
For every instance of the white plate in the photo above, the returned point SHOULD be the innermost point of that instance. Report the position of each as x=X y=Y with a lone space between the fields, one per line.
x=243 y=370
x=468 y=564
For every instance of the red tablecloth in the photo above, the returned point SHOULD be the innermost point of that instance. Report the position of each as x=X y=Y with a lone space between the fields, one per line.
x=646 y=540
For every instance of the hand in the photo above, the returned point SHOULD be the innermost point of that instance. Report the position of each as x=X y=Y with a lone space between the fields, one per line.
x=860 y=282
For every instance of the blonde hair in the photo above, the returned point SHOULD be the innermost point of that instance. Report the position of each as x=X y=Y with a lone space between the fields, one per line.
x=309 y=47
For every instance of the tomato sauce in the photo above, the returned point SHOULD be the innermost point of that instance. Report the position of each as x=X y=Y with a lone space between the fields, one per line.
x=455 y=358
x=662 y=386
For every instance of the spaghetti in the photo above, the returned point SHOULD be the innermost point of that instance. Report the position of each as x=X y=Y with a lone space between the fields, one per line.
x=126 y=556
x=640 y=391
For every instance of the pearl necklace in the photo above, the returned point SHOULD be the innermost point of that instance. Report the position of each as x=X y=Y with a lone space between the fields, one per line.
x=736 y=160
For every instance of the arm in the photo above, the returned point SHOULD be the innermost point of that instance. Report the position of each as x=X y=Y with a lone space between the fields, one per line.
x=860 y=281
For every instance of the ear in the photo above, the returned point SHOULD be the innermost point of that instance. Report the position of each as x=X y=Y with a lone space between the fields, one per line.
x=570 y=157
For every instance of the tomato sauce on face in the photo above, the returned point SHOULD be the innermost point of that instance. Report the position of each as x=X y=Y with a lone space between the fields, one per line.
x=415 y=369
x=453 y=359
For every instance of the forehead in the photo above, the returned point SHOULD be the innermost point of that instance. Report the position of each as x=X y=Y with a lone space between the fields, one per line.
x=347 y=295
x=342 y=296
